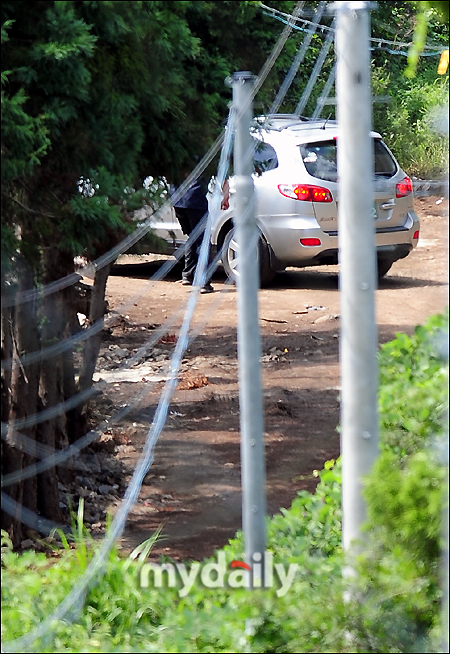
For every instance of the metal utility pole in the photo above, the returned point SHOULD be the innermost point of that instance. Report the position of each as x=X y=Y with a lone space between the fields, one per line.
x=249 y=342
x=359 y=367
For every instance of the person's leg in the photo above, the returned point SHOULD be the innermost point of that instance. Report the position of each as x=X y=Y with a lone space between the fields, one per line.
x=189 y=256
x=194 y=218
x=191 y=218
x=192 y=254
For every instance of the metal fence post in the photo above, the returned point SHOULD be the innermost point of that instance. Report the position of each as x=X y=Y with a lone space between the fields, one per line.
x=359 y=366
x=249 y=343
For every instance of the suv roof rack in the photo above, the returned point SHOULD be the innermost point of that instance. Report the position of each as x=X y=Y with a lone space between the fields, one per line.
x=320 y=123
x=279 y=122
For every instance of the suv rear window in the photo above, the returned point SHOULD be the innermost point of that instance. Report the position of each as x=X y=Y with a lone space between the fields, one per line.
x=320 y=160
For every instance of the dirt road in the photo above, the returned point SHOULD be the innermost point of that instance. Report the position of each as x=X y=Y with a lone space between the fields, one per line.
x=193 y=487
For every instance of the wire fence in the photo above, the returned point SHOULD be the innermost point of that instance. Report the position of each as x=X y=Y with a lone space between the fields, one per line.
x=49 y=457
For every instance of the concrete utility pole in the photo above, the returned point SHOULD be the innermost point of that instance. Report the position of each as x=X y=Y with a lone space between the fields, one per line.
x=249 y=342
x=359 y=367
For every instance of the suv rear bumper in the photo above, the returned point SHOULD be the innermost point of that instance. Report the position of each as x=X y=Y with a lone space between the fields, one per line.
x=391 y=245
x=330 y=257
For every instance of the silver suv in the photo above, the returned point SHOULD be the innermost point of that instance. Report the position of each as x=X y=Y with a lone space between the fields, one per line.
x=297 y=200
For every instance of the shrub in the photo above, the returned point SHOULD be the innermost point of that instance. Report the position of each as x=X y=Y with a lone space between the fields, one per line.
x=413 y=122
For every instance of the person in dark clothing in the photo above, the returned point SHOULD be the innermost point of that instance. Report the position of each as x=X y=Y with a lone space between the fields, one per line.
x=189 y=210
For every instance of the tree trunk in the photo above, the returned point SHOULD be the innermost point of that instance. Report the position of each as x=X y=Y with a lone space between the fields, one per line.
x=28 y=389
x=51 y=432
x=11 y=455
x=96 y=313
x=23 y=403
x=77 y=424
x=57 y=383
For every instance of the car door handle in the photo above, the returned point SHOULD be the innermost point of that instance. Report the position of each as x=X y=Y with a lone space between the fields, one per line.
x=387 y=206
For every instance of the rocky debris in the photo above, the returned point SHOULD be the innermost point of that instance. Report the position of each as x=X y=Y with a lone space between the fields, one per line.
x=191 y=380
x=313 y=307
x=329 y=317
x=273 y=354
x=168 y=338
x=100 y=481
x=144 y=373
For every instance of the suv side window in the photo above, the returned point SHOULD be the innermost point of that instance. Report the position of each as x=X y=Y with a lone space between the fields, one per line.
x=265 y=158
x=320 y=160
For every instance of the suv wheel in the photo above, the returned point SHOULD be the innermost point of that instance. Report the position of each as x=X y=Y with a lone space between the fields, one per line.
x=230 y=259
x=383 y=267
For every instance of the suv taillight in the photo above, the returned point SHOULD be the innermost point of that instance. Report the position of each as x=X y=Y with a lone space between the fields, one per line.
x=404 y=188
x=305 y=192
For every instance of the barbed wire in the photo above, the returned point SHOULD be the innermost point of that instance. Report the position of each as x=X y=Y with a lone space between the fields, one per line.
x=276 y=51
x=285 y=18
x=56 y=457
x=60 y=347
x=90 y=269
x=14 y=427
x=83 y=335
x=30 y=518
x=315 y=73
x=298 y=59
x=77 y=595
x=324 y=94
x=86 y=394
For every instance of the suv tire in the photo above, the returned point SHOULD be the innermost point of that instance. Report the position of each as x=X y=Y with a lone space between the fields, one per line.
x=383 y=267
x=230 y=259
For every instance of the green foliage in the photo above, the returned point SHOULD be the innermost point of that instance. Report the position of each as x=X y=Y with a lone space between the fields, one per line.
x=407 y=503
x=311 y=527
x=27 y=136
x=406 y=493
x=413 y=397
x=137 y=89
x=118 y=89
x=412 y=122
